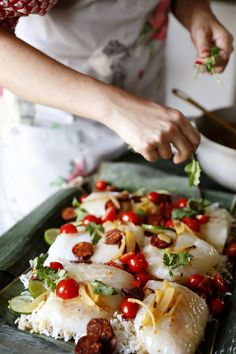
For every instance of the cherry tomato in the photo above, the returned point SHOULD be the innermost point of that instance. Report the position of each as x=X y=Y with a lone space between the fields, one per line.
x=101 y=185
x=195 y=280
x=68 y=214
x=128 y=309
x=110 y=215
x=230 y=250
x=153 y=197
x=193 y=224
x=67 y=289
x=56 y=265
x=83 y=197
x=182 y=202
x=126 y=257
x=143 y=278
x=136 y=284
x=169 y=223
x=138 y=263
x=220 y=284
x=216 y=306
x=203 y=219
x=68 y=229
x=130 y=216
x=207 y=287
x=90 y=218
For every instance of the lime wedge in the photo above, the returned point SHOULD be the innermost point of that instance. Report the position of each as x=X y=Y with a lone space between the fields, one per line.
x=156 y=229
x=50 y=235
x=36 y=288
x=21 y=304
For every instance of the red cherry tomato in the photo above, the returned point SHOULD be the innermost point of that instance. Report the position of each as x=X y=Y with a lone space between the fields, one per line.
x=153 y=197
x=193 y=224
x=195 y=280
x=68 y=229
x=220 y=284
x=101 y=185
x=182 y=202
x=67 y=289
x=216 y=306
x=126 y=257
x=128 y=309
x=56 y=265
x=203 y=219
x=83 y=197
x=169 y=223
x=130 y=216
x=138 y=263
x=230 y=250
x=206 y=288
x=136 y=284
x=90 y=218
x=68 y=214
x=110 y=215
x=143 y=278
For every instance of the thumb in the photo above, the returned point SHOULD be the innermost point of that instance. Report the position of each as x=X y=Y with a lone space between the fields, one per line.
x=202 y=42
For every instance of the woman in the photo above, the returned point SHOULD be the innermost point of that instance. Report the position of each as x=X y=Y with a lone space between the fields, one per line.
x=113 y=55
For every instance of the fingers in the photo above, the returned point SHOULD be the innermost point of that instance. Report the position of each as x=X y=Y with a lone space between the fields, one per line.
x=201 y=39
x=150 y=154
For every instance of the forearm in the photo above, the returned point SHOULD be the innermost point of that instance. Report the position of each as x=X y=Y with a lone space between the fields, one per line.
x=186 y=11
x=36 y=77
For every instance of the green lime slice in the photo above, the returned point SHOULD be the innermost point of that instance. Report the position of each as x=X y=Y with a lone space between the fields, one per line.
x=156 y=229
x=36 y=288
x=50 y=235
x=21 y=304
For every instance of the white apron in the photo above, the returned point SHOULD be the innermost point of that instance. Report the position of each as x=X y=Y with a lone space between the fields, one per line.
x=108 y=39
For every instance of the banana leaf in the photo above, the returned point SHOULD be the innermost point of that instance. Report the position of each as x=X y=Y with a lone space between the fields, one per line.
x=25 y=241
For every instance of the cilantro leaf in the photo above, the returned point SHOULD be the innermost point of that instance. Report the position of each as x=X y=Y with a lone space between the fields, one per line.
x=99 y=288
x=95 y=231
x=80 y=212
x=51 y=277
x=179 y=214
x=175 y=260
x=193 y=170
x=198 y=205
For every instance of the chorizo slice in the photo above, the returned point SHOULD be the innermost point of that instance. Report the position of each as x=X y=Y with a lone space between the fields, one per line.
x=89 y=345
x=100 y=327
x=68 y=214
x=135 y=292
x=157 y=242
x=83 y=250
x=113 y=237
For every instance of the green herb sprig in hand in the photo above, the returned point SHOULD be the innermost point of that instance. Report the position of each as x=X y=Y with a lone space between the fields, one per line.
x=193 y=170
x=210 y=63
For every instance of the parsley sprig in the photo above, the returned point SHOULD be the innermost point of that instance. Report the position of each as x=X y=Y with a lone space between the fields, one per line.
x=47 y=275
x=175 y=260
x=99 y=288
x=211 y=63
x=193 y=170
x=80 y=212
x=95 y=231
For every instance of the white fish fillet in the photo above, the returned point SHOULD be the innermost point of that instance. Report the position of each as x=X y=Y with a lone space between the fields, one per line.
x=179 y=334
x=205 y=257
x=217 y=230
x=95 y=202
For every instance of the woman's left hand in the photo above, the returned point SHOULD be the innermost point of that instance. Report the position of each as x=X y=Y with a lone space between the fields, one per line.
x=207 y=32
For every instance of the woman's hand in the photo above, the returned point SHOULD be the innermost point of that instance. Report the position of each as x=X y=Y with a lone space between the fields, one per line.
x=150 y=128
x=207 y=32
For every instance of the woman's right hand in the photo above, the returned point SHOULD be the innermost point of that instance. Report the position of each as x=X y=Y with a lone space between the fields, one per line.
x=150 y=128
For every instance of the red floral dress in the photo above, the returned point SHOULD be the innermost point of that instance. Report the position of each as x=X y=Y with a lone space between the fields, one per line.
x=11 y=10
